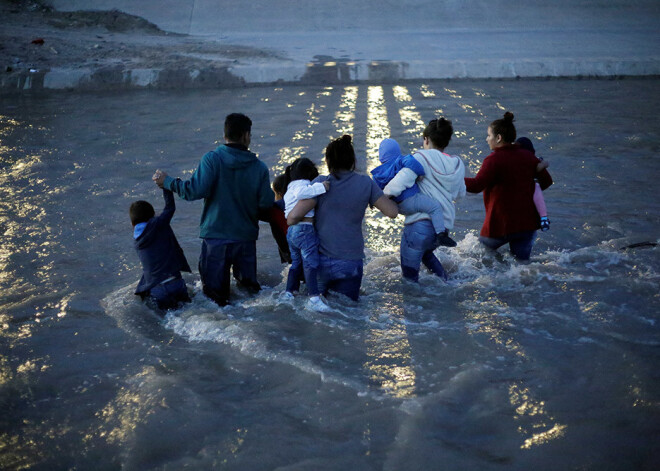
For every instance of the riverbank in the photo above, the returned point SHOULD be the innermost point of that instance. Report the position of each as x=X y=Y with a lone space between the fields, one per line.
x=46 y=49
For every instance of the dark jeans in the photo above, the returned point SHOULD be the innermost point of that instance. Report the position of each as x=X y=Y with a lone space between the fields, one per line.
x=170 y=295
x=221 y=257
x=417 y=244
x=304 y=249
x=520 y=243
x=341 y=276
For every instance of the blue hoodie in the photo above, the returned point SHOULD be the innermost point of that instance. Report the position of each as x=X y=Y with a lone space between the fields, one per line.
x=235 y=186
x=392 y=161
x=159 y=252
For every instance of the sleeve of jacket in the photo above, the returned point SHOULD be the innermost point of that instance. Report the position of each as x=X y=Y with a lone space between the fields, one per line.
x=170 y=207
x=413 y=164
x=266 y=195
x=544 y=178
x=199 y=184
x=483 y=179
x=461 y=183
x=311 y=191
x=402 y=180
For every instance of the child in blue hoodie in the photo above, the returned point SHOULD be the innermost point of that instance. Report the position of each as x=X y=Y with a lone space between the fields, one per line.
x=160 y=254
x=411 y=199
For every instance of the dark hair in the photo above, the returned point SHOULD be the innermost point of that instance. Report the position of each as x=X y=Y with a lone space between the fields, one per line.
x=302 y=169
x=236 y=125
x=526 y=144
x=280 y=184
x=439 y=131
x=141 y=211
x=505 y=128
x=340 y=155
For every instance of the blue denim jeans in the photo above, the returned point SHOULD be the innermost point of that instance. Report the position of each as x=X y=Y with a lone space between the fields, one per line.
x=417 y=244
x=421 y=203
x=304 y=249
x=170 y=295
x=341 y=276
x=221 y=257
x=520 y=243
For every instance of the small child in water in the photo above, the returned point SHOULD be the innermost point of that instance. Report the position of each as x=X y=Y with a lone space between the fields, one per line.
x=302 y=237
x=277 y=220
x=411 y=200
x=160 y=254
x=539 y=201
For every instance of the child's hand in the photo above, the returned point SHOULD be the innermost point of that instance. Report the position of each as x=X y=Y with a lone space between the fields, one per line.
x=159 y=178
x=326 y=184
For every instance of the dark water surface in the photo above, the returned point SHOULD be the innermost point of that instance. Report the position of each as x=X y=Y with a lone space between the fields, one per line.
x=549 y=365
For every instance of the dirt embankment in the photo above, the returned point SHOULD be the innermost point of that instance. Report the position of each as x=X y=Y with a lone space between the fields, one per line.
x=35 y=37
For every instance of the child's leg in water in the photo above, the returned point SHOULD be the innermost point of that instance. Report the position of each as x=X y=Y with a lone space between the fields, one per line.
x=539 y=202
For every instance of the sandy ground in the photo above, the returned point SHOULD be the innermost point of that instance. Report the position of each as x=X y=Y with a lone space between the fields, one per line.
x=36 y=37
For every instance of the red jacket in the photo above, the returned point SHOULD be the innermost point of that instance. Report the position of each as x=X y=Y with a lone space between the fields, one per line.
x=507 y=179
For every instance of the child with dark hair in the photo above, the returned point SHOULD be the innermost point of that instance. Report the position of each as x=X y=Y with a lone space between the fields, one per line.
x=302 y=237
x=410 y=199
x=539 y=201
x=161 y=256
x=277 y=220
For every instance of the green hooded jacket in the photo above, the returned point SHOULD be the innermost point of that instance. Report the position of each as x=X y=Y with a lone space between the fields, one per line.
x=235 y=186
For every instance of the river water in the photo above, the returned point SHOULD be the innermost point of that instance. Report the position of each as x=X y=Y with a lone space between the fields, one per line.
x=546 y=365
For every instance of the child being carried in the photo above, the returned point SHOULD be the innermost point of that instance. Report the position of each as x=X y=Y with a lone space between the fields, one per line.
x=302 y=237
x=411 y=200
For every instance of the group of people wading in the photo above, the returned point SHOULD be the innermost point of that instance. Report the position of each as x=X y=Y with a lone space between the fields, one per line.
x=322 y=215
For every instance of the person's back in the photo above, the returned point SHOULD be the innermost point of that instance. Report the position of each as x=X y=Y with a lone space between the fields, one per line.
x=443 y=181
x=339 y=214
x=160 y=254
x=235 y=186
x=513 y=170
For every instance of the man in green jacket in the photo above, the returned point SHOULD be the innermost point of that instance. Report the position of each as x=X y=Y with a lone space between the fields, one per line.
x=235 y=186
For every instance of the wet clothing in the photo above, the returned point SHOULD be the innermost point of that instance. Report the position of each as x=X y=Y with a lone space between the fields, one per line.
x=159 y=252
x=219 y=259
x=340 y=276
x=339 y=215
x=304 y=249
x=507 y=179
x=235 y=186
x=170 y=294
x=417 y=244
x=520 y=243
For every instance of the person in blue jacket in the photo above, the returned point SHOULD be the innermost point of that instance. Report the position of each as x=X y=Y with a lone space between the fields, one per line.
x=160 y=254
x=235 y=186
x=410 y=200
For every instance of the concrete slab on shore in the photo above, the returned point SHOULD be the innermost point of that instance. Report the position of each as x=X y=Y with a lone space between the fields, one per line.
x=381 y=41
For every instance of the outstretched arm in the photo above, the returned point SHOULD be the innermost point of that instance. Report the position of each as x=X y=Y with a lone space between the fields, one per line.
x=485 y=176
x=170 y=206
x=386 y=206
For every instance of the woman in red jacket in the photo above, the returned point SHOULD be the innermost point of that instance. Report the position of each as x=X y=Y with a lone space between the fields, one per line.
x=507 y=179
